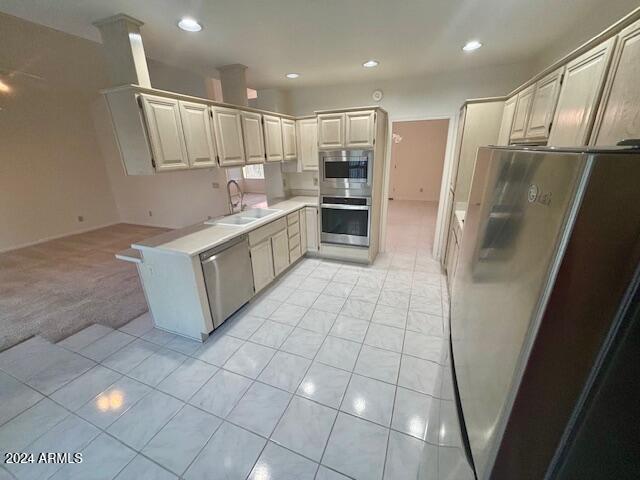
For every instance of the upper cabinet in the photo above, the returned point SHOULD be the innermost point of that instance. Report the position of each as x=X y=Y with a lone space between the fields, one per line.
x=523 y=108
x=507 y=121
x=308 y=143
x=618 y=117
x=253 y=137
x=360 y=129
x=289 y=144
x=579 y=96
x=198 y=134
x=543 y=106
x=166 y=137
x=331 y=130
x=273 y=138
x=347 y=130
x=229 y=141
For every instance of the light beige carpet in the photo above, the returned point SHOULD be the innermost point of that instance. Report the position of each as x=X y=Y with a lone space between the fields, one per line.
x=56 y=288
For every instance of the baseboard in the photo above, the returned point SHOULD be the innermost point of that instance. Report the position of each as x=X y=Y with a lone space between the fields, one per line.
x=55 y=237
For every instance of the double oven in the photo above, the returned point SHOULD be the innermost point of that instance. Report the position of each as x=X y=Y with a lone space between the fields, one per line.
x=346 y=181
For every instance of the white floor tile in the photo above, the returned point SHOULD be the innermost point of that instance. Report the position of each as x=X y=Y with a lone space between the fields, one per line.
x=220 y=394
x=177 y=444
x=260 y=409
x=324 y=384
x=230 y=454
x=356 y=448
x=369 y=399
x=338 y=352
x=379 y=364
x=282 y=464
x=285 y=371
x=305 y=427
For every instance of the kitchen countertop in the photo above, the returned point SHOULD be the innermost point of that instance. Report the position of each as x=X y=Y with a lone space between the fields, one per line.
x=195 y=239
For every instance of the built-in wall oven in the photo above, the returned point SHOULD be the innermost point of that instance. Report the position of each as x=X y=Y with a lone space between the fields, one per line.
x=345 y=220
x=350 y=170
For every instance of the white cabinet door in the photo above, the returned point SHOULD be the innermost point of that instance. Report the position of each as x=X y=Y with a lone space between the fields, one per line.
x=523 y=107
x=165 y=132
x=253 y=137
x=544 y=105
x=198 y=134
x=229 y=141
x=308 y=143
x=303 y=231
x=280 y=247
x=273 y=138
x=360 y=129
x=289 y=144
x=579 y=95
x=262 y=265
x=311 y=214
x=507 y=120
x=618 y=117
x=331 y=130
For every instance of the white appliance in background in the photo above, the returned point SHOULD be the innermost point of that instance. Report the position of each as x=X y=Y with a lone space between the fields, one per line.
x=548 y=253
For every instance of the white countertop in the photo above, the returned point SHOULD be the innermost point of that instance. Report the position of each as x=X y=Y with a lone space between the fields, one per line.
x=200 y=237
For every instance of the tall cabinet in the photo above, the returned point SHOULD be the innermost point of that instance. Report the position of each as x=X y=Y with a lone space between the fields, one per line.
x=579 y=97
x=618 y=117
x=479 y=124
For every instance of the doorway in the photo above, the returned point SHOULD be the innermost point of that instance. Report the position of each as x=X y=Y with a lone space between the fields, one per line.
x=418 y=150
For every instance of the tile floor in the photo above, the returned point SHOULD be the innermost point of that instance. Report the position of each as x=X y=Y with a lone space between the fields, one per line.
x=337 y=371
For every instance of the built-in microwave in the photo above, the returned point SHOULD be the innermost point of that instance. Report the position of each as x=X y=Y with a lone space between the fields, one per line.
x=347 y=169
x=345 y=220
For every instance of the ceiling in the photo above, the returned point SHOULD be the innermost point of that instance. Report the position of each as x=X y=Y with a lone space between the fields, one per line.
x=326 y=41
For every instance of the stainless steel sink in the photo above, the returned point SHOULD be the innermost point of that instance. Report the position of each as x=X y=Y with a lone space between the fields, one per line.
x=258 y=212
x=243 y=218
x=232 y=220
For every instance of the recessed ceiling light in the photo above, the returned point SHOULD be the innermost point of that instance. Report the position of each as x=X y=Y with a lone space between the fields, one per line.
x=292 y=75
x=471 y=46
x=370 y=64
x=189 y=25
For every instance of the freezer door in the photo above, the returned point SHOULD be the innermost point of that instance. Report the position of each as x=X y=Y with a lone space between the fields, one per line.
x=519 y=206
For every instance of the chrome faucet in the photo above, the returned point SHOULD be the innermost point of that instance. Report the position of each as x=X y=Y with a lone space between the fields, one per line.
x=239 y=193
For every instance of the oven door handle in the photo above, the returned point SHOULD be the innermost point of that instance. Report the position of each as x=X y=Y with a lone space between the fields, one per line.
x=338 y=206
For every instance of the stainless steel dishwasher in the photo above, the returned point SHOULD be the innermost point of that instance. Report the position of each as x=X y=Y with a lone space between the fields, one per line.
x=228 y=277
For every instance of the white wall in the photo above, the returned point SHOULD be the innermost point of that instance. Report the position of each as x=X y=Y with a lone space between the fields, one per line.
x=51 y=170
x=415 y=98
x=58 y=158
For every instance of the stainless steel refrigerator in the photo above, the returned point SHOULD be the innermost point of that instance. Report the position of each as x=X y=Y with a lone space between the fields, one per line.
x=550 y=243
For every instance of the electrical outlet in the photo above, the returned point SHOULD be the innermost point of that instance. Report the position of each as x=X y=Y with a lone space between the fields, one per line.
x=80 y=218
x=150 y=213
x=215 y=185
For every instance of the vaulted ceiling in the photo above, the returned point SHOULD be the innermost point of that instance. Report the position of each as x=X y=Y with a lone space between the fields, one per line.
x=326 y=41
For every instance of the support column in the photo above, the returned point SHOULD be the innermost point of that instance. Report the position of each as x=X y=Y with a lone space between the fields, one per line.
x=124 y=50
x=234 y=84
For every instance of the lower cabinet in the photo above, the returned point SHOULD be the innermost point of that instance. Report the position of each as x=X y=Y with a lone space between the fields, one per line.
x=280 y=246
x=311 y=228
x=262 y=264
x=452 y=257
x=303 y=231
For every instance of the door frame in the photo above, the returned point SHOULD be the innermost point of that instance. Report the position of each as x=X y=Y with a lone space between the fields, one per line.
x=443 y=202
